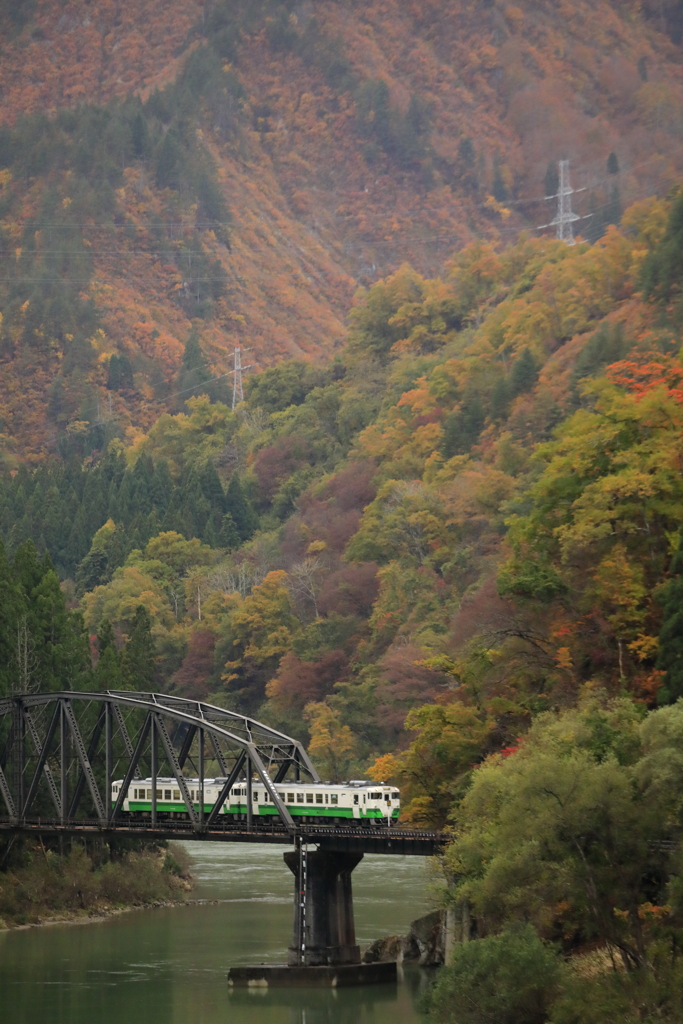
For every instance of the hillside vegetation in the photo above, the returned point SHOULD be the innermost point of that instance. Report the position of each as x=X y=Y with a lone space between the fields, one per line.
x=466 y=517
x=440 y=541
x=235 y=169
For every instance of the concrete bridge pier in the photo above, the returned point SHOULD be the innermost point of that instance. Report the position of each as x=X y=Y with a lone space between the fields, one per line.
x=324 y=951
x=324 y=930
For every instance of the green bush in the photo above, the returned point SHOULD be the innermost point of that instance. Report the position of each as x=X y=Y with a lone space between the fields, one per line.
x=512 y=978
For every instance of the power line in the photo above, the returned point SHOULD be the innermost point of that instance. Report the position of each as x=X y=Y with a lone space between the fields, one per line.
x=174 y=394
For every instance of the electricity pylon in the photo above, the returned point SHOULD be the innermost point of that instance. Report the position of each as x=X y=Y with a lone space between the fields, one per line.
x=237 y=388
x=565 y=215
x=564 y=221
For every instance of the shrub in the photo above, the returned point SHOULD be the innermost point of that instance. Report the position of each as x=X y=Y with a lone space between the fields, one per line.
x=512 y=978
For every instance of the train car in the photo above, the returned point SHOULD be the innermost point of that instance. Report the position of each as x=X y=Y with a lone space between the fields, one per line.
x=330 y=803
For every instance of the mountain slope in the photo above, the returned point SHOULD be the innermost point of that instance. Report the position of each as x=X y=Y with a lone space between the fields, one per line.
x=345 y=139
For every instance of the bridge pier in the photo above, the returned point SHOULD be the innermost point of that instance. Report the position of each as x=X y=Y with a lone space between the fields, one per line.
x=324 y=930
x=324 y=951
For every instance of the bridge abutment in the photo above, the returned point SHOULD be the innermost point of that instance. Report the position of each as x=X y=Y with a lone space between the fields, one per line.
x=324 y=929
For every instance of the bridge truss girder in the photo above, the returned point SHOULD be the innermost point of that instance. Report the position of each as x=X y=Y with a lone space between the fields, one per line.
x=56 y=747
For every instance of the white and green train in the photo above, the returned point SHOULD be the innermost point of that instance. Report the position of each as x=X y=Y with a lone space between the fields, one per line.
x=333 y=804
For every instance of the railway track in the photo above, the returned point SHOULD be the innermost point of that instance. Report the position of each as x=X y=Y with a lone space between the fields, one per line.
x=361 y=839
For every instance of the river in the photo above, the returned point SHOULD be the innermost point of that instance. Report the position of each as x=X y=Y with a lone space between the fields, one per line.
x=168 y=965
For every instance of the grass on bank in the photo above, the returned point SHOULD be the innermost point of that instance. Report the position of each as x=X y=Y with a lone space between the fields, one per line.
x=38 y=883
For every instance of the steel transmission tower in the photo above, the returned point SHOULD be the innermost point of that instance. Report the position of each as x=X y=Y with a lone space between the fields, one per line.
x=565 y=215
x=237 y=388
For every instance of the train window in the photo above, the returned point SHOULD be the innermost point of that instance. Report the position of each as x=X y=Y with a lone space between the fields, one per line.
x=363 y=797
x=299 y=798
x=254 y=795
x=326 y=800
x=355 y=798
x=176 y=794
x=149 y=794
x=159 y=797
x=375 y=796
x=395 y=794
x=334 y=799
x=167 y=794
x=265 y=797
x=309 y=798
x=290 y=798
x=318 y=798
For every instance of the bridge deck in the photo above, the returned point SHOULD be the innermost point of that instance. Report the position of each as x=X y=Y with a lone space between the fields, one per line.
x=407 y=842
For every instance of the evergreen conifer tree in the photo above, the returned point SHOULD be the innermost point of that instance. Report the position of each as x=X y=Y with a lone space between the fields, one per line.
x=79 y=540
x=193 y=372
x=28 y=571
x=92 y=571
x=140 y=134
x=142 y=475
x=195 y=509
x=113 y=374
x=524 y=373
x=228 y=536
x=242 y=514
x=212 y=488
x=161 y=487
x=108 y=674
x=139 y=655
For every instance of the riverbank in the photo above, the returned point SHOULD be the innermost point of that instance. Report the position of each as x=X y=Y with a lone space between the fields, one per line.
x=40 y=885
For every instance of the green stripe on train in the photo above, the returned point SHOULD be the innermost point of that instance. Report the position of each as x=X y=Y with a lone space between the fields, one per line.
x=262 y=810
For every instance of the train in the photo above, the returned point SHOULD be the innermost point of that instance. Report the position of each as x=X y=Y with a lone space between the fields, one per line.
x=329 y=803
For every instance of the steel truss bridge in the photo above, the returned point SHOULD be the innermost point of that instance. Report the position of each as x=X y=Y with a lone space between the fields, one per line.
x=60 y=752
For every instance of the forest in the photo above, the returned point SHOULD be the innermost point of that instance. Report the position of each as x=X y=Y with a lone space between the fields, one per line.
x=451 y=557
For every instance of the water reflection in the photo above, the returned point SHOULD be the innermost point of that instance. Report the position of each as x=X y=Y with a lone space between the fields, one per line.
x=168 y=966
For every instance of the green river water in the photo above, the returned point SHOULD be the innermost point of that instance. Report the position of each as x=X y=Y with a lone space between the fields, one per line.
x=168 y=965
